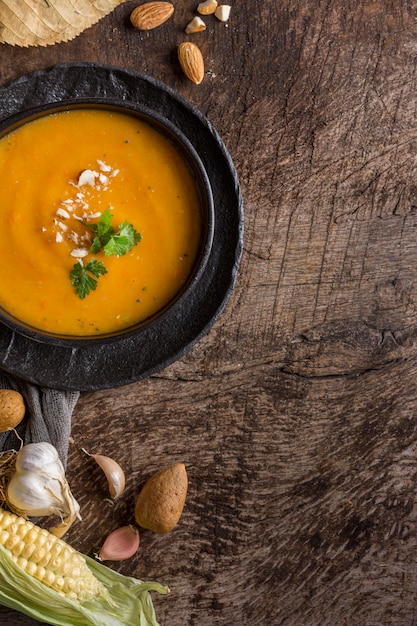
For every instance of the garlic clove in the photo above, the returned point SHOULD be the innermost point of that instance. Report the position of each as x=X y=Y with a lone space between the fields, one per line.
x=121 y=544
x=39 y=457
x=113 y=472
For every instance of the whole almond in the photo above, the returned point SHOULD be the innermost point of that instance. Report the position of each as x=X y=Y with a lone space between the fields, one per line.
x=191 y=61
x=12 y=409
x=151 y=15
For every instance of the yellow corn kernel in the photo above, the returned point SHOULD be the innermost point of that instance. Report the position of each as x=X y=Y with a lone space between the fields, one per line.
x=18 y=547
x=37 y=555
x=45 y=559
x=86 y=594
x=27 y=551
x=65 y=554
x=55 y=552
x=55 y=563
x=69 y=584
x=59 y=583
x=62 y=564
x=7 y=519
x=4 y=535
x=40 y=540
x=40 y=572
x=31 y=568
x=24 y=528
x=76 y=559
x=22 y=562
x=56 y=548
x=32 y=534
x=13 y=528
x=11 y=542
x=64 y=568
x=22 y=531
x=49 y=578
x=48 y=559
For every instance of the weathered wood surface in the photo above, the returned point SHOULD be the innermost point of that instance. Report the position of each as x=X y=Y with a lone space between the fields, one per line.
x=296 y=414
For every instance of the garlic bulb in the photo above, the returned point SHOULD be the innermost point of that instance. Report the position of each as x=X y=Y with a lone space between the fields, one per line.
x=39 y=487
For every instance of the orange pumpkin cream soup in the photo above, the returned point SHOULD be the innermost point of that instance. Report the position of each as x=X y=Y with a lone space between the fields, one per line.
x=100 y=222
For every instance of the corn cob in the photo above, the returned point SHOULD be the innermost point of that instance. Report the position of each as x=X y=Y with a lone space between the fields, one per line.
x=45 y=578
x=47 y=558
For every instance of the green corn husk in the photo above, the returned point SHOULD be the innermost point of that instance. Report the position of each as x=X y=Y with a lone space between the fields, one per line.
x=129 y=602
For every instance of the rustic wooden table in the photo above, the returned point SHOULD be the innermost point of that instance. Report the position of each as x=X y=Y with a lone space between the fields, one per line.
x=296 y=414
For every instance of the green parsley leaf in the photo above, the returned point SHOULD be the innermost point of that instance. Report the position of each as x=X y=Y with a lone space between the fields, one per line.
x=103 y=231
x=122 y=241
x=83 y=278
x=112 y=242
x=103 y=226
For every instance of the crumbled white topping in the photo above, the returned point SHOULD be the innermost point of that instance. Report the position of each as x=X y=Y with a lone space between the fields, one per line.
x=79 y=253
x=73 y=236
x=103 y=166
x=80 y=203
x=63 y=213
x=87 y=177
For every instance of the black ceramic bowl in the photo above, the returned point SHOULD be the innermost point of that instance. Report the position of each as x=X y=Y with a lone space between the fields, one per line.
x=112 y=360
x=189 y=155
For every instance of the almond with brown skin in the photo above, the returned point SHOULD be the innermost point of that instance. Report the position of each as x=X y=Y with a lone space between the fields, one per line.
x=151 y=15
x=160 y=503
x=191 y=61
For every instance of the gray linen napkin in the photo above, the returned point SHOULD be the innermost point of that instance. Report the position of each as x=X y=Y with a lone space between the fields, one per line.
x=48 y=416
